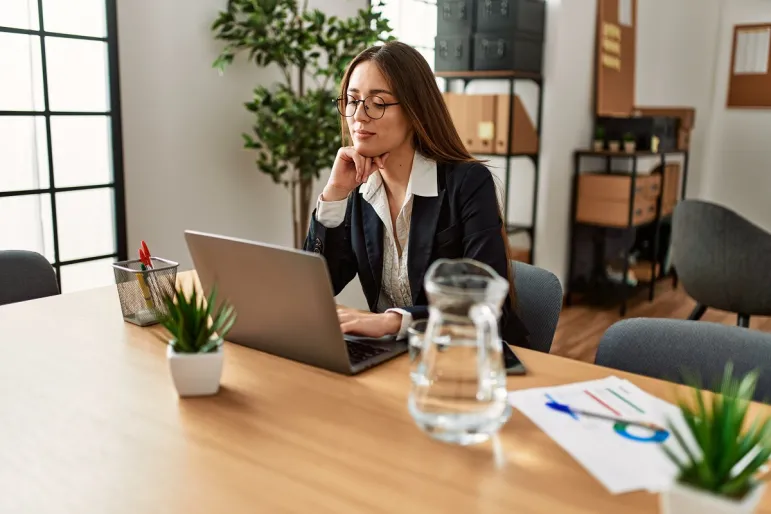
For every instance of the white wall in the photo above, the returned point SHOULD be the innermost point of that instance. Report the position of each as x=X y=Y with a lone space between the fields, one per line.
x=184 y=162
x=675 y=66
x=738 y=162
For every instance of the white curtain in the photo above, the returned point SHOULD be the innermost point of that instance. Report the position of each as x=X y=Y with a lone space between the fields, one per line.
x=25 y=221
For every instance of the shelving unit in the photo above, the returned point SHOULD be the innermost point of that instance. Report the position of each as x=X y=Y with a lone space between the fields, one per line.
x=626 y=289
x=512 y=77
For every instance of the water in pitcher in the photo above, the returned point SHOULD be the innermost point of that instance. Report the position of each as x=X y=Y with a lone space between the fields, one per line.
x=459 y=383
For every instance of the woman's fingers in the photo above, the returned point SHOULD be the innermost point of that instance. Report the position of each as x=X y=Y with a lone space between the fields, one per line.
x=349 y=327
x=380 y=161
x=359 y=162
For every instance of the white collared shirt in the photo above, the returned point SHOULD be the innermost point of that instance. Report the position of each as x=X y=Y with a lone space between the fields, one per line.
x=395 y=290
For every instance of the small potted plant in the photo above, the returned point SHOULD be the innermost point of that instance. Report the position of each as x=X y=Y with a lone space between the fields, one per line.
x=718 y=469
x=196 y=333
x=599 y=139
x=614 y=145
x=629 y=142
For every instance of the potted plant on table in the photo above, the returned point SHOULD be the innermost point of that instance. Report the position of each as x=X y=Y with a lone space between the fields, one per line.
x=196 y=333
x=721 y=473
x=629 y=143
x=599 y=139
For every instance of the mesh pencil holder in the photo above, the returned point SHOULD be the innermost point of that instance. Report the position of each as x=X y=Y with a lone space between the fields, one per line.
x=142 y=293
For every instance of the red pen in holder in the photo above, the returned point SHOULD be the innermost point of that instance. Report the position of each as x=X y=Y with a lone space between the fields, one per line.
x=143 y=284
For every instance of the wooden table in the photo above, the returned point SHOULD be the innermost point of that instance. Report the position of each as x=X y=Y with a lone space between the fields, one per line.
x=90 y=423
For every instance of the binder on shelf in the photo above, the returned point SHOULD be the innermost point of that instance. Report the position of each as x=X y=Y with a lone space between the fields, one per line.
x=524 y=139
x=456 y=105
x=480 y=118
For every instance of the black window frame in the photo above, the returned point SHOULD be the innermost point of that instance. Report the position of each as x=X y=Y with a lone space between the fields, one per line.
x=116 y=131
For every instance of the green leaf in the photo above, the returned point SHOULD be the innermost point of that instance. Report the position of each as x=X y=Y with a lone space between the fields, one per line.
x=719 y=433
x=188 y=321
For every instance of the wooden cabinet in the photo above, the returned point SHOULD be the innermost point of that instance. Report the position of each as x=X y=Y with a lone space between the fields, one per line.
x=604 y=199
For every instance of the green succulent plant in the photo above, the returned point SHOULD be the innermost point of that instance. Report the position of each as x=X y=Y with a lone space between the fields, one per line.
x=719 y=428
x=192 y=322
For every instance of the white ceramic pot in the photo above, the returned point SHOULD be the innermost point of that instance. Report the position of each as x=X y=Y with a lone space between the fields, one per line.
x=683 y=499
x=195 y=374
x=599 y=145
x=613 y=146
x=630 y=146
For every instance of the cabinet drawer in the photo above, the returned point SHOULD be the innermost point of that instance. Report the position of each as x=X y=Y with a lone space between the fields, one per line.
x=617 y=187
x=614 y=213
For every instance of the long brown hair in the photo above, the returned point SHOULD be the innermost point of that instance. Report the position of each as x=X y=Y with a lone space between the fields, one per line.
x=434 y=133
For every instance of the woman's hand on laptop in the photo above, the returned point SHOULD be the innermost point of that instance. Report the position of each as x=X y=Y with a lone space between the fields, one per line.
x=368 y=324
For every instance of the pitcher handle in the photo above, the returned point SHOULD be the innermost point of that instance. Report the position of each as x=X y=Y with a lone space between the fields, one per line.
x=486 y=321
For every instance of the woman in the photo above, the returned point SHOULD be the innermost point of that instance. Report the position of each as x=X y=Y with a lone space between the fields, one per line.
x=405 y=193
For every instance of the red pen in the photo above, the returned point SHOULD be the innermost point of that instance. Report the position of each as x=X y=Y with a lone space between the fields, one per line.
x=144 y=255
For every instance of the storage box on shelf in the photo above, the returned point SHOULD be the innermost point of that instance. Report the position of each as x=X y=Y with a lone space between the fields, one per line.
x=502 y=51
x=485 y=35
x=605 y=199
x=623 y=201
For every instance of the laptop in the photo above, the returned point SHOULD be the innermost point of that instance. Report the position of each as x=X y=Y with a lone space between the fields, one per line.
x=284 y=302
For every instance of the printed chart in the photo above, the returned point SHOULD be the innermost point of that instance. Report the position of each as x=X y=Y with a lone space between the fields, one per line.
x=582 y=418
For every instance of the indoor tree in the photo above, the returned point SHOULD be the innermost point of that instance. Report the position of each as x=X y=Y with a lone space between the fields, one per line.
x=296 y=131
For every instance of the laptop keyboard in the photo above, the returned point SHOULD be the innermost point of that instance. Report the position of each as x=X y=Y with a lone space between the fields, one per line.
x=359 y=352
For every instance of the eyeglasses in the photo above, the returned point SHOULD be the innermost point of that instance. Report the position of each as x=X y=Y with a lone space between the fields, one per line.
x=374 y=106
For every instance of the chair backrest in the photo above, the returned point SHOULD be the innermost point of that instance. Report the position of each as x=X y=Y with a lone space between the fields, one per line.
x=25 y=275
x=539 y=303
x=670 y=349
x=721 y=258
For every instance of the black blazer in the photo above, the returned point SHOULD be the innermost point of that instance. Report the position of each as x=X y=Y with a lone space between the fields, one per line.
x=461 y=221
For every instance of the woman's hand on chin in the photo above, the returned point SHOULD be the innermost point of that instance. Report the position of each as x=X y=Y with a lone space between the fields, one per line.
x=368 y=324
x=348 y=171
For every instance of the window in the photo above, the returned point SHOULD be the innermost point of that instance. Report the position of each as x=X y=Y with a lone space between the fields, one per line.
x=413 y=22
x=61 y=176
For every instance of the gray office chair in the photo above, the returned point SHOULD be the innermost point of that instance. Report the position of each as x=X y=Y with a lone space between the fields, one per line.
x=25 y=276
x=539 y=303
x=722 y=260
x=669 y=349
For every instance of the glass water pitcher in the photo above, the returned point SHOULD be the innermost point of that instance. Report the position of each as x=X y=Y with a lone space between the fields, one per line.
x=459 y=385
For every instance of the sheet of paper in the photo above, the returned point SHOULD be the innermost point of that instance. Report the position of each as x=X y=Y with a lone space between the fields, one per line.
x=625 y=13
x=611 y=31
x=623 y=458
x=611 y=47
x=752 y=51
x=611 y=61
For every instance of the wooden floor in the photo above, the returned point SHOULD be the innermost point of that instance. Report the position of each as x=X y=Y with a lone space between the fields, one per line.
x=581 y=326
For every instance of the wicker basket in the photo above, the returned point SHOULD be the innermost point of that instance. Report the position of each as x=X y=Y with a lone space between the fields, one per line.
x=142 y=293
